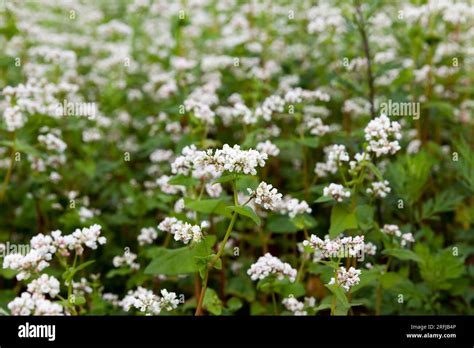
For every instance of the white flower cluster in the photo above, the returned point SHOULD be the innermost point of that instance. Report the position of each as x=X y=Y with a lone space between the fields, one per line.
x=337 y=192
x=292 y=206
x=316 y=126
x=268 y=265
x=211 y=164
x=167 y=188
x=147 y=235
x=383 y=135
x=47 y=285
x=52 y=141
x=182 y=231
x=148 y=303
x=269 y=148
x=335 y=155
x=394 y=230
x=43 y=247
x=379 y=189
x=266 y=196
x=346 y=278
x=293 y=305
x=337 y=247
x=34 y=304
x=161 y=155
x=273 y=103
x=127 y=259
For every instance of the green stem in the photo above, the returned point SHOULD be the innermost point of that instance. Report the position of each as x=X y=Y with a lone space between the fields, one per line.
x=9 y=170
x=275 y=307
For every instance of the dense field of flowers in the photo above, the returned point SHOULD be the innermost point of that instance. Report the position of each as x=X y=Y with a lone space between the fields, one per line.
x=227 y=157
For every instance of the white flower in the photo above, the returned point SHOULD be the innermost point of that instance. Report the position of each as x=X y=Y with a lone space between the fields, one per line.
x=346 y=278
x=167 y=188
x=148 y=303
x=337 y=192
x=266 y=196
x=34 y=304
x=127 y=259
x=406 y=238
x=14 y=118
x=383 y=136
x=44 y=285
x=182 y=231
x=214 y=190
x=147 y=235
x=161 y=155
x=89 y=236
x=270 y=265
x=337 y=247
x=392 y=230
x=292 y=207
x=269 y=148
x=293 y=305
x=379 y=189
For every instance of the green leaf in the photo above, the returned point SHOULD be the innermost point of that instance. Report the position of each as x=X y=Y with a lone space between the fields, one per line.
x=205 y=206
x=181 y=260
x=183 y=181
x=304 y=221
x=246 y=211
x=390 y=279
x=324 y=199
x=234 y=304
x=342 y=218
x=339 y=293
x=281 y=224
x=212 y=302
x=375 y=170
x=365 y=216
x=225 y=178
x=402 y=254
x=309 y=142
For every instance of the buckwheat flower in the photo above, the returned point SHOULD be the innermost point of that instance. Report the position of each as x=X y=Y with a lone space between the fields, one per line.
x=316 y=126
x=52 y=142
x=337 y=192
x=346 y=278
x=33 y=262
x=185 y=232
x=269 y=148
x=89 y=236
x=414 y=146
x=214 y=190
x=393 y=230
x=113 y=299
x=293 y=305
x=379 y=189
x=161 y=155
x=179 y=206
x=81 y=287
x=337 y=247
x=370 y=249
x=271 y=104
x=34 y=304
x=147 y=235
x=45 y=284
x=148 y=303
x=336 y=153
x=167 y=224
x=127 y=259
x=406 y=238
x=269 y=265
x=292 y=207
x=266 y=196
x=14 y=118
x=168 y=300
x=167 y=188
x=383 y=135
x=359 y=157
